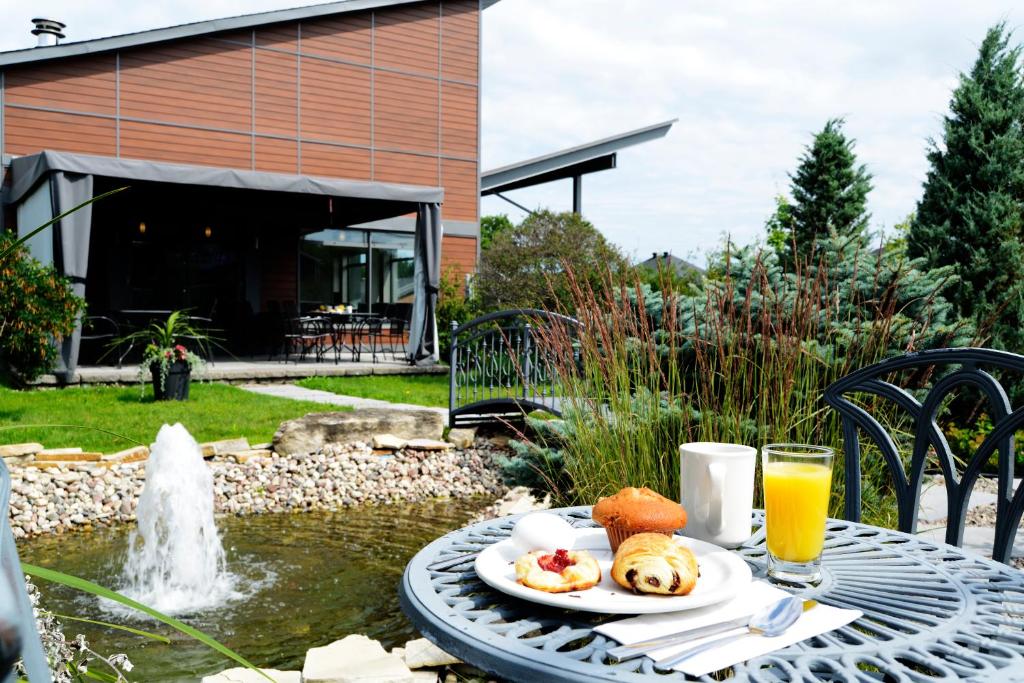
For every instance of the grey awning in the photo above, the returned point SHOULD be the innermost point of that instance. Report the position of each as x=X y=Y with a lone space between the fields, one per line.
x=28 y=170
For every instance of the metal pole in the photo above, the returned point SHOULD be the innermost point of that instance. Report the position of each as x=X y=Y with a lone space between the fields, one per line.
x=577 y=194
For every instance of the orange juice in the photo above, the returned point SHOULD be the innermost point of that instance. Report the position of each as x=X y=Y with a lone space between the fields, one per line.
x=796 y=505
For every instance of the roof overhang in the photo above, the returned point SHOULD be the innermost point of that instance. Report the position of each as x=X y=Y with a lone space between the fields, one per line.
x=371 y=200
x=568 y=163
x=127 y=40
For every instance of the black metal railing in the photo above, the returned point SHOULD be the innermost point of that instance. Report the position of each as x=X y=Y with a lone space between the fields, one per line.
x=499 y=368
x=18 y=635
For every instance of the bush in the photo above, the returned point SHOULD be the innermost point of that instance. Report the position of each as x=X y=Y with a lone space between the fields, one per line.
x=452 y=305
x=526 y=266
x=37 y=307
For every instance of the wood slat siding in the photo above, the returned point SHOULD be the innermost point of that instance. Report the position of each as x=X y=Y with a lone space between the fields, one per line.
x=458 y=257
x=217 y=100
x=334 y=161
x=86 y=84
x=406 y=109
x=346 y=37
x=335 y=102
x=276 y=155
x=27 y=131
x=279 y=267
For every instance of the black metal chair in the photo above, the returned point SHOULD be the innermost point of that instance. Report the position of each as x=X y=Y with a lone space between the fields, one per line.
x=395 y=337
x=952 y=369
x=305 y=335
x=371 y=331
x=201 y=341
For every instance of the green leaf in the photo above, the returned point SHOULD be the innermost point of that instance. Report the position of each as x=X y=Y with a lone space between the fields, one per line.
x=129 y=629
x=98 y=590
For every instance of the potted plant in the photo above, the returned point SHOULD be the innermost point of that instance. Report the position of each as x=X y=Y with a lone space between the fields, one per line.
x=165 y=359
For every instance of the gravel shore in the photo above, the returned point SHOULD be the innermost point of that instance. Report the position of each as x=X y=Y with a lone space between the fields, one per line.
x=58 y=499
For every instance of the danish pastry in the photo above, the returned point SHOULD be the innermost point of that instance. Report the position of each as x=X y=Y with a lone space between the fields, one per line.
x=654 y=563
x=558 y=572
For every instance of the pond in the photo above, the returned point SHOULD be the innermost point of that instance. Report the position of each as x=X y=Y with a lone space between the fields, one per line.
x=307 y=580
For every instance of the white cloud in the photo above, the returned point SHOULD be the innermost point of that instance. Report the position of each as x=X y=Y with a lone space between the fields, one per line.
x=750 y=81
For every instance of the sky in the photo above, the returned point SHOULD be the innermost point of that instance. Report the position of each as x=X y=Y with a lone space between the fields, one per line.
x=749 y=82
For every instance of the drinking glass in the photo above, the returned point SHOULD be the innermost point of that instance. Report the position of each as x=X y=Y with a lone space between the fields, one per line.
x=797 y=482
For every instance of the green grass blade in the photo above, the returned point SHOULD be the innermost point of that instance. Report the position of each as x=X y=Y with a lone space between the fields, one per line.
x=56 y=426
x=98 y=590
x=129 y=629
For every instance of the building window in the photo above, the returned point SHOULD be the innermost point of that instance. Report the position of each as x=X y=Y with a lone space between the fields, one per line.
x=367 y=270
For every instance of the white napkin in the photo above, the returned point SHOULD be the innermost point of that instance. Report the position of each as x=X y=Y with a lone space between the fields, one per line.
x=757 y=595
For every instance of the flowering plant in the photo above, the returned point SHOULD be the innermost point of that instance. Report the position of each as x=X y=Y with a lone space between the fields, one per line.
x=163 y=349
x=164 y=358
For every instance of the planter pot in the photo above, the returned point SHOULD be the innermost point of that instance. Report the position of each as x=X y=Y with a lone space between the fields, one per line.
x=175 y=387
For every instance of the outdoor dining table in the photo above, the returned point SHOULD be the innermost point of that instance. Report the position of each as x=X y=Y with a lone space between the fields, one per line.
x=931 y=612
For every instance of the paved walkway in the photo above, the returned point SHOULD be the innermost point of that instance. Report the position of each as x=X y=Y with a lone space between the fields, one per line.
x=931 y=518
x=317 y=396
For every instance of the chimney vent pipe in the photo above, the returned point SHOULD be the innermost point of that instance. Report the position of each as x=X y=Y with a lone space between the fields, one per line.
x=48 y=31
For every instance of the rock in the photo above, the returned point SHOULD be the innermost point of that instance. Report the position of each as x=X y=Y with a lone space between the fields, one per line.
x=136 y=454
x=67 y=455
x=245 y=456
x=500 y=440
x=424 y=676
x=16 y=450
x=388 y=442
x=242 y=675
x=224 y=446
x=313 y=432
x=354 y=659
x=428 y=445
x=462 y=438
x=421 y=653
x=18 y=459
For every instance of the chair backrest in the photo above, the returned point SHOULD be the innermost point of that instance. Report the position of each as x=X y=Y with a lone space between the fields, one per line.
x=100 y=327
x=946 y=372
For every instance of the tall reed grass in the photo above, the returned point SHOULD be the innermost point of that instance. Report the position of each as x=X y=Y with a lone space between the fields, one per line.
x=744 y=361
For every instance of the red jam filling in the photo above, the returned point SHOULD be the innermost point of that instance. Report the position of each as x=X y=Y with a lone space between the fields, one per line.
x=556 y=563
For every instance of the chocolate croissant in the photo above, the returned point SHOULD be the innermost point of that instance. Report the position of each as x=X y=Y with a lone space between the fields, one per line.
x=654 y=563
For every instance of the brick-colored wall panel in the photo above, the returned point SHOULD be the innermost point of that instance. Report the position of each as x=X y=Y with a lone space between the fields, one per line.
x=278 y=36
x=460 y=42
x=458 y=257
x=458 y=120
x=276 y=106
x=390 y=167
x=335 y=101
x=273 y=154
x=85 y=84
x=344 y=37
x=406 y=38
x=332 y=160
x=406 y=112
x=460 y=189
x=199 y=82
x=27 y=131
x=185 y=145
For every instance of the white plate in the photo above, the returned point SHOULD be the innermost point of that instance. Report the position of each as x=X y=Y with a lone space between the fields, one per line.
x=722 y=575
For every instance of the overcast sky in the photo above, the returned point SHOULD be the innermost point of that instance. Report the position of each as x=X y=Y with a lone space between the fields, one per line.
x=749 y=81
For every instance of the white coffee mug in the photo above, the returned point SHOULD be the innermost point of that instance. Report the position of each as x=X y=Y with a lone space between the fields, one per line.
x=717 y=490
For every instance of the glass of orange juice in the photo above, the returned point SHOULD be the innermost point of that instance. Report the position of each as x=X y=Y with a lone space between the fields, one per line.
x=797 y=482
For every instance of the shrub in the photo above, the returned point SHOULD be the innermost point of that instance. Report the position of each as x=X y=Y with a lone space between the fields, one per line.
x=526 y=266
x=37 y=306
x=452 y=305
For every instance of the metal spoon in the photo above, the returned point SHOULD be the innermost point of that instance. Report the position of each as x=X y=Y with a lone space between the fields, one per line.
x=772 y=621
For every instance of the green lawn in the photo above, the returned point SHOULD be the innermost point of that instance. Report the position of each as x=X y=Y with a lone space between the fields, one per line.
x=421 y=390
x=214 y=411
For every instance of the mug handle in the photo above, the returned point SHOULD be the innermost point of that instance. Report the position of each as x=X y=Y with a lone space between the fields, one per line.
x=716 y=499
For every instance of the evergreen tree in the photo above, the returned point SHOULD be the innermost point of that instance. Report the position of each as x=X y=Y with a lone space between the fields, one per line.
x=971 y=214
x=829 y=191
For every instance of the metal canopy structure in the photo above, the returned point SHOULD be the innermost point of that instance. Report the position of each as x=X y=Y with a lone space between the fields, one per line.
x=574 y=163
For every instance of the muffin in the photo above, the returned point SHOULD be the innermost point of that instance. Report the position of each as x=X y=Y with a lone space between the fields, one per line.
x=635 y=511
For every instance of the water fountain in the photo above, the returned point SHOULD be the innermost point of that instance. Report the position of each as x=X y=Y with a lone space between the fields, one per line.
x=175 y=560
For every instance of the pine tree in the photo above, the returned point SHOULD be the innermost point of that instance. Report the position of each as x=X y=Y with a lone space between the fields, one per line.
x=829 y=191
x=971 y=215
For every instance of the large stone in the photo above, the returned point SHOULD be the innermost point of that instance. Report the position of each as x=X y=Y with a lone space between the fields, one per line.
x=242 y=457
x=136 y=454
x=17 y=450
x=311 y=433
x=243 y=675
x=462 y=438
x=421 y=653
x=224 y=446
x=354 y=659
x=428 y=445
x=388 y=442
x=67 y=455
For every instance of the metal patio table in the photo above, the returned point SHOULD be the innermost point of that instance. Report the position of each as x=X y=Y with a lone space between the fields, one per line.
x=931 y=612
